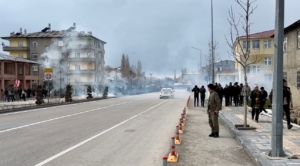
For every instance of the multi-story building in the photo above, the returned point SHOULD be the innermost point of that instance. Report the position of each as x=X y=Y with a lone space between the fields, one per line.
x=76 y=57
x=219 y=67
x=14 y=69
x=291 y=59
x=261 y=49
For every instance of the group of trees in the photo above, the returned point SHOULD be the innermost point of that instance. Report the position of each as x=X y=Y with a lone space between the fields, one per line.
x=128 y=71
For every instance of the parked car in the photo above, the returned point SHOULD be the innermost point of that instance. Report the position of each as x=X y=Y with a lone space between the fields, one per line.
x=166 y=93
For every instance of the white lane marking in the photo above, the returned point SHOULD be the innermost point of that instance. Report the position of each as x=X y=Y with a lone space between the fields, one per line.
x=37 y=109
x=62 y=117
x=95 y=136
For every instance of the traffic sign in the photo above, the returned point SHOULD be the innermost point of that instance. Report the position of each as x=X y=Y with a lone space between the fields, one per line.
x=48 y=70
x=48 y=76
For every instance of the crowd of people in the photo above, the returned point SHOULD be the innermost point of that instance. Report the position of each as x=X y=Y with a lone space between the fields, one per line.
x=11 y=94
x=235 y=95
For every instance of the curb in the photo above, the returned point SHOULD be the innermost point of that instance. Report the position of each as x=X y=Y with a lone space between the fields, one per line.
x=49 y=105
x=255 y=154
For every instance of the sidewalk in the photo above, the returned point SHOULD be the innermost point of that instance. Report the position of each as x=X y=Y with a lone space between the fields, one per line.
x=257 y=143
x=197 y=149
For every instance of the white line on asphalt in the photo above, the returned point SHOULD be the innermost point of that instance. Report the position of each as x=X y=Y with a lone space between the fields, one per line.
x=62 y=117
x=95 y=136
x=37 y=109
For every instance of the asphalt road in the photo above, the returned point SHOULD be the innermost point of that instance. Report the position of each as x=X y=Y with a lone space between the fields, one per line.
x=127 y=131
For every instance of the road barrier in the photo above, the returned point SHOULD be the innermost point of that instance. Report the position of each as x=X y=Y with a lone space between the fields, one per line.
x=177 y=139
x=173 y=155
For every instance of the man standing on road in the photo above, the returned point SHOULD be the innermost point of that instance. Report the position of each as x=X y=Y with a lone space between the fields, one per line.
x=196 y=91
x=287 y=102
x=202 y=95
x=213 y=109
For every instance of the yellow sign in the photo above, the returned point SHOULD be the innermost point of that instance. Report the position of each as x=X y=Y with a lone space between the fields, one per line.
x=48 y=70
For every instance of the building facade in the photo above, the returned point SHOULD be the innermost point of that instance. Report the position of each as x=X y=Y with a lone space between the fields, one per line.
x=77 y=58
x=261 y=47
x=291 y=59
x=12 y=69
x=220 y=66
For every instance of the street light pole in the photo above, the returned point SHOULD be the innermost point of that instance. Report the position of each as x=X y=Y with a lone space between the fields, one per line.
x=212 y=44
x=277 y=113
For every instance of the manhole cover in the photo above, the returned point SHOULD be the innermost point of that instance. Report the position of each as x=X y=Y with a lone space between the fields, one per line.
x=129 y=130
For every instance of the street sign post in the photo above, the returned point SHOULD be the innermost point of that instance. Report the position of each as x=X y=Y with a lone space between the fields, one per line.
x=48 y=77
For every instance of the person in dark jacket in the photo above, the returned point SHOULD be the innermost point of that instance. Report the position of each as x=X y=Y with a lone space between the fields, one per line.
x=230 y=91
x=220 y=93
x=263 y=99
x=241 y=95
x=255 y=100
x=202 y=95
x=196 y=91
x=235 y=93
x=287 y=103
x=226 y=94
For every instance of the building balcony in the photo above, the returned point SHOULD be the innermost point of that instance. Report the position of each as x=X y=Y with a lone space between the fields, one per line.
x=81 y=46
x=85 y=59
x=8 y=48
x=92 y=71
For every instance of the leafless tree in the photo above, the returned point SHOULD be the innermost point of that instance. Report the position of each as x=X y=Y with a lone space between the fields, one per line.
x=210 y=59
x=240 y=31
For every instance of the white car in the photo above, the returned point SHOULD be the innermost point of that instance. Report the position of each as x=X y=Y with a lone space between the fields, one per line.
x=166 y=93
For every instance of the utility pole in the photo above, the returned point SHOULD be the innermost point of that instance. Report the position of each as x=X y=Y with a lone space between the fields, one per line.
x=212 y=44
x=277 y=113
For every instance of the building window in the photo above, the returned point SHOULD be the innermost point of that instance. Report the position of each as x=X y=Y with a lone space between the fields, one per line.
x=77 y=67
x=284 y=75
x=298 y=39
x=285 y=44
x=256 y=69
x=255 y=44
x=245 y=45
x=20 y=44
x=34 y=56
x=88 y=54
x=34 y=44
x=47 y=48
x=298 y=79
x=248 y=68
x=21 y=71
x=268 y=77
x=35 y=68
x=77 y=55
x=20 y=55
x=267 y=44
x=268 y=61
x=77 y=79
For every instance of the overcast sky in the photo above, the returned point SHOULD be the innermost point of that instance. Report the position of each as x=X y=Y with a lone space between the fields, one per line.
x=160 y=33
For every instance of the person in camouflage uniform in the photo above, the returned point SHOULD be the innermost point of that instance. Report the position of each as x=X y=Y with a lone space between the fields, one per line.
x=214 y=106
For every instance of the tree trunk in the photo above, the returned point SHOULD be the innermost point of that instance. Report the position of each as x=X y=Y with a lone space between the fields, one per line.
x=245 y=104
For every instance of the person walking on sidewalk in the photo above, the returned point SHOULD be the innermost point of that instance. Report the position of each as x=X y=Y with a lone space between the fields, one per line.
x=220 y=93
x=236 y=92
x=246 y=91
x=287 y=103
x=202 y=95
x=2 y=95
x=196 y=91
x=255 y=100
x=241 y=95
x=213 y=109
x=264 y=95
x=226 y=94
